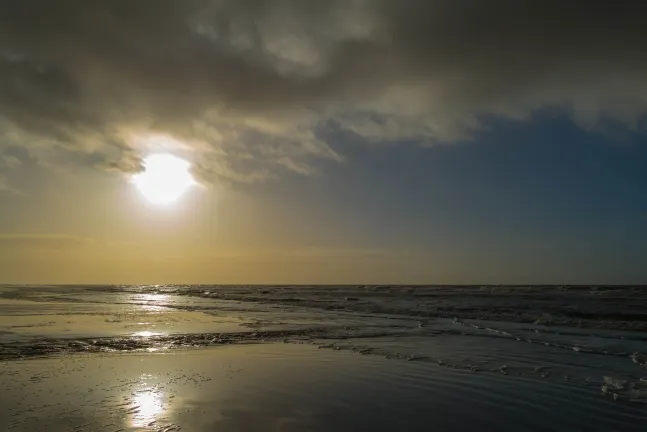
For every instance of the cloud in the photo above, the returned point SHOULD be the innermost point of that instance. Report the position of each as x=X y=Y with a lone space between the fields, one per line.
x=5 y=188
x=248 y=86
x=9 y=161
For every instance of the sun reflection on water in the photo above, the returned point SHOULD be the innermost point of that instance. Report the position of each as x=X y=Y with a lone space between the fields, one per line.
x=154 y=297
x=146 y=333
x=154 y=307
x=152 y=302
x=147 y=407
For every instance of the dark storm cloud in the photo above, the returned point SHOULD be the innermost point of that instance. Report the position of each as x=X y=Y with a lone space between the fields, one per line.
x=247 y=84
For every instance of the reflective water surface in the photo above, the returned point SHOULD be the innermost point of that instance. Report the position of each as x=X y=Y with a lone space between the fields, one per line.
x=284 y=387
x=322 y=358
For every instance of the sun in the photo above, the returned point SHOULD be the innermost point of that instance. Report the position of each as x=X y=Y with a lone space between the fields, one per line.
x=165 y=178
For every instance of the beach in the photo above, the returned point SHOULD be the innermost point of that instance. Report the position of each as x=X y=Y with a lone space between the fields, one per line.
x=335 y=216
x=179 y=358
x=283 y=387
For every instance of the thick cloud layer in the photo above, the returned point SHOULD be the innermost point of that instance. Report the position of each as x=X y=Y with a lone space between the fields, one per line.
x=245 y=87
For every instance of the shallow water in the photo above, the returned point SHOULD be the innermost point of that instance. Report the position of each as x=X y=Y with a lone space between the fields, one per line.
x=288 y=387
x=539 y=347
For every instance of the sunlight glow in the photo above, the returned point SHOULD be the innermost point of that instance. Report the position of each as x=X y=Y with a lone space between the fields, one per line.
x=165 y=178
x=146 y=333
x=147 y=406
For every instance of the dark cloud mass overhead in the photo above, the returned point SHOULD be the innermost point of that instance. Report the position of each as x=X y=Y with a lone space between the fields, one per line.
x=246 y=86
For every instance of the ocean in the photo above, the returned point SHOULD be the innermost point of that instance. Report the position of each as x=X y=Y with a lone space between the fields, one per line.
x=323 y=357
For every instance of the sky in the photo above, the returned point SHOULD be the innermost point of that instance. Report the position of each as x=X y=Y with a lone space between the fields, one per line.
x=345 y=141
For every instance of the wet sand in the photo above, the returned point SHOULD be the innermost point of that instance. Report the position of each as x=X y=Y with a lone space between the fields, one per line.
x=288 y=387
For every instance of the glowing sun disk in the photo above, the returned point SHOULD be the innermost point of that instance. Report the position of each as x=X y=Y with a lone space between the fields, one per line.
x=165 y=178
